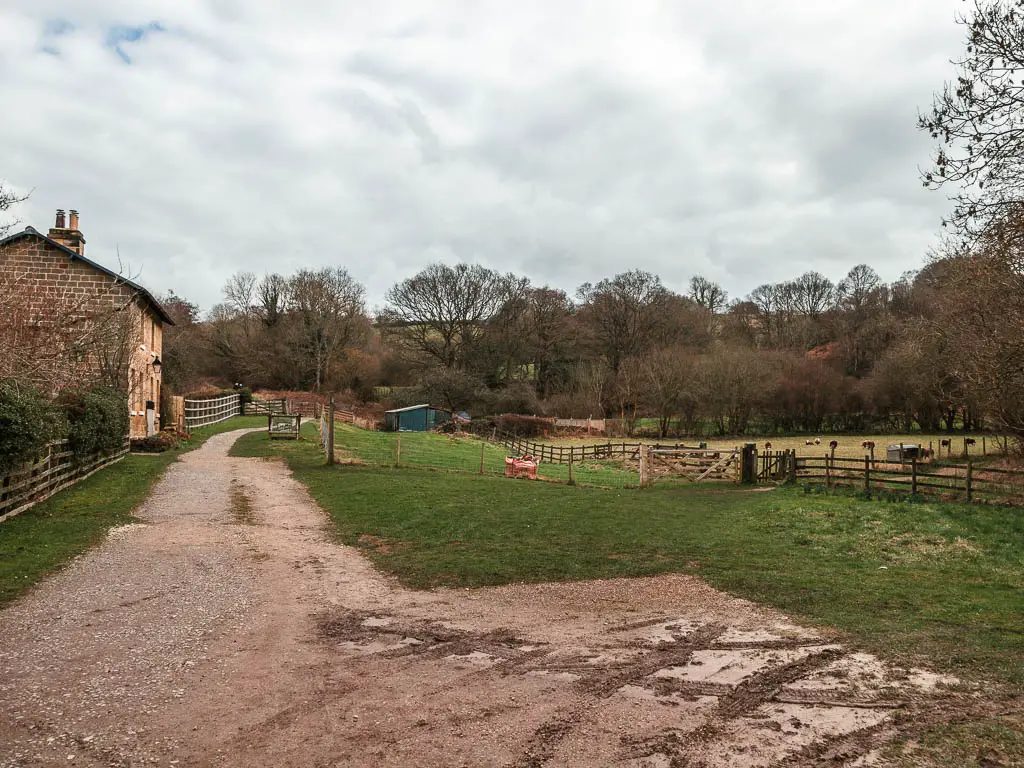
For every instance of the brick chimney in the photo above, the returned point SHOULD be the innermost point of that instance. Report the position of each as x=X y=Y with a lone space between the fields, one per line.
x=68 y=234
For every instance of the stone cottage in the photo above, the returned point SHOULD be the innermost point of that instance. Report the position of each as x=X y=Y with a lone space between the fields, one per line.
x=66 y=320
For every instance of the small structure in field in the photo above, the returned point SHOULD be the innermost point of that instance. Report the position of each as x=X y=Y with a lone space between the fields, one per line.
x=415 y=418
x=283 y=426
x=521 y=466
x=902 y=453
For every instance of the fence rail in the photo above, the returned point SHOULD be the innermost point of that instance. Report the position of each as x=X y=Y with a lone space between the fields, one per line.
x=566 y=454
x=53 y=471
x=967 y=481
x=257 y=407
x=213 y=410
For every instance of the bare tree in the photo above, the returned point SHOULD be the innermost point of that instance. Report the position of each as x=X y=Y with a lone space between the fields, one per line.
x=272 y=299
x=550 y=334
x=856 y=289
x=707 y=294
x=331 y=306
x=440 y=313
x=982 y=319
x=812 y=294
x=979 y=118
x=628 y=314
x=8 y=199
x=668 y=380
x=240 y=292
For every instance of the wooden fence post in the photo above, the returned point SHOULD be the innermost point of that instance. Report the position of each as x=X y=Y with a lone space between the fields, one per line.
x=792 y=465
x=867 y=475
x=571 y=481
x=748 y=464
x=828 y=473
x=398 y=449
x=330 y=432
x=970 y=480
x=913 y=476
x=643 y=465
x=483 y=447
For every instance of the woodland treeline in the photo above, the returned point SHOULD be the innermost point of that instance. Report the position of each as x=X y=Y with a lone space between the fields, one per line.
x=942 y=348
x=805 y=354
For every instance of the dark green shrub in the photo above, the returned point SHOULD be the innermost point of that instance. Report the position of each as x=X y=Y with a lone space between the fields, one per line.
x=98 y=420
x=28 y=421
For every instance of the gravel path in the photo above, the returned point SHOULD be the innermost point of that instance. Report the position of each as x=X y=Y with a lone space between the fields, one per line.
x=225 y=629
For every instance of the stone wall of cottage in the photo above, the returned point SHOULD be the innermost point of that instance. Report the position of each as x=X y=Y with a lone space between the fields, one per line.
x=52 y=278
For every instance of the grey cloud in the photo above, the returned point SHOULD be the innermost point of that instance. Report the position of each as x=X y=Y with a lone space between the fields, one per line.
x=565 y=141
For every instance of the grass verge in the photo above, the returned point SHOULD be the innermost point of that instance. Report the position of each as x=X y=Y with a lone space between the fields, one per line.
x=51 y=534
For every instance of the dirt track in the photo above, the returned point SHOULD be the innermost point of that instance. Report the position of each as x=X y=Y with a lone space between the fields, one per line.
x=227 y=630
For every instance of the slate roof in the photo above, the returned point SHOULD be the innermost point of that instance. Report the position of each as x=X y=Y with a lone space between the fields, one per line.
x=33 y=232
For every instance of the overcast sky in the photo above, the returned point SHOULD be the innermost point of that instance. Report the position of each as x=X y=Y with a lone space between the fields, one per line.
x=742 y=140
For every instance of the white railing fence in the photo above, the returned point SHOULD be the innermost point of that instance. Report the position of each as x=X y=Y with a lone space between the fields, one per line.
x=205 y=411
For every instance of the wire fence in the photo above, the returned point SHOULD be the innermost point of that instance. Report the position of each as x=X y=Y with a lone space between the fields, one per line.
x=462 y=453
x=620 y=466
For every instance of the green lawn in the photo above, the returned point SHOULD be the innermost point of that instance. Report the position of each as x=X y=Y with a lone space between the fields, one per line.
x=912 y=580
x=460 y=453
x=52 y=533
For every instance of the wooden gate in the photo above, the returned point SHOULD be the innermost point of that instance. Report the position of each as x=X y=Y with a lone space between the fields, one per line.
x=693 y=464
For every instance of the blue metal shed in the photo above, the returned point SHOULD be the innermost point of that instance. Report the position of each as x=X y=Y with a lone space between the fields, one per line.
x=415 y=418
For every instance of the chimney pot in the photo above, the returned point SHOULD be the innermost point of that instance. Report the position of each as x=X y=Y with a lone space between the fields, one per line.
x=73 y=223
x=60 y=218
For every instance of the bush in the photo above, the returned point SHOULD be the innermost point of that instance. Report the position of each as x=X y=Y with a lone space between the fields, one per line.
x=28 y=421
x=513 y=424
x=517 y=398
x=158 y=443
x=98 y=421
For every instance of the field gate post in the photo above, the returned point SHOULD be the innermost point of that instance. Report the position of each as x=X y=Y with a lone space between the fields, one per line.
x=867 y=475
x=913 y=476
x=483 y=447
x=330 y=432
x=828 y=472
x=643 y=465
x=571 y=481
x=969 y=480
x=398 y=449
x=792 y=465
x=748 y=464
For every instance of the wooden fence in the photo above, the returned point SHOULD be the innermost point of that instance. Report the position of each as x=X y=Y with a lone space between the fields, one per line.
x=693 y=464
x=53 y=471
x=965 y=481
x=565 y=454
x=213 y=410
x=258 y=407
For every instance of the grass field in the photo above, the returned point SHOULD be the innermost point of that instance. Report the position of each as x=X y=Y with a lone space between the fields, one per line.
x=935 y=584
x=464 y=454
x=936 y=580
x=849 y=445
x=54 y=532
